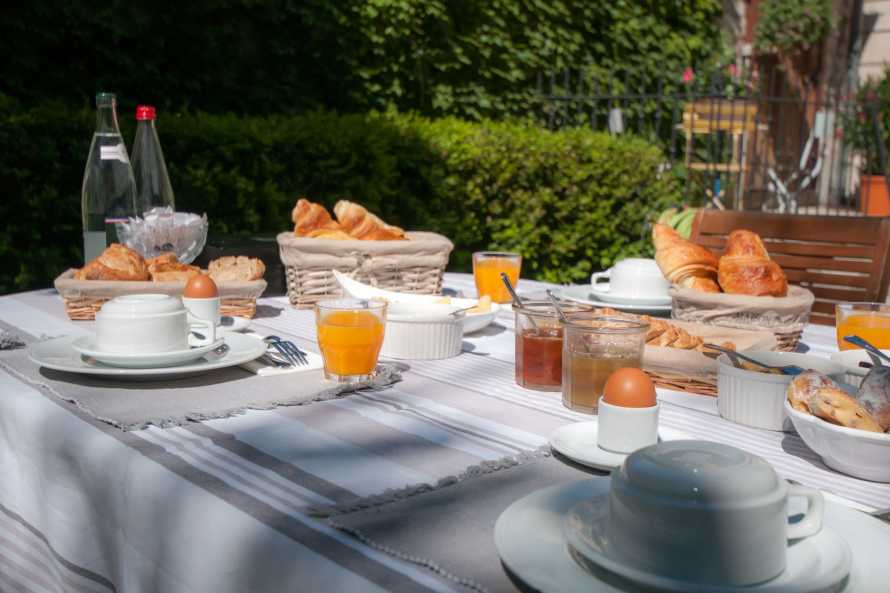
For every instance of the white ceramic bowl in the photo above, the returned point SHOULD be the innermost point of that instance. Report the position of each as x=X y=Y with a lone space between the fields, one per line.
x=850 y=359
x=757 y=399
x=851 y=451
x=422 y=332
x=473 y=322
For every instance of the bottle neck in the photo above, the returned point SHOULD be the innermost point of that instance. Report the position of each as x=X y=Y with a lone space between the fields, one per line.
x=106 y=119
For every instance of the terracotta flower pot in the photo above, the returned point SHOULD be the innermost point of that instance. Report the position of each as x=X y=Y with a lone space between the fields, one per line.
x=873 y=198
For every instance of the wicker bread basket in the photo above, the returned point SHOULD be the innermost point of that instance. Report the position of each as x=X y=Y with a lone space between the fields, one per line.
x=84 y=298
x=415 y=265
x=784 y=316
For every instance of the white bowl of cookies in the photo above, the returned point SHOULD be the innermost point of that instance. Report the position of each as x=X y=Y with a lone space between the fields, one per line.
x=844 y=425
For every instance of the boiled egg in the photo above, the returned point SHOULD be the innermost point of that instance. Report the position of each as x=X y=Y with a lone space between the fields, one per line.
x=629 y=388
x=200 y=286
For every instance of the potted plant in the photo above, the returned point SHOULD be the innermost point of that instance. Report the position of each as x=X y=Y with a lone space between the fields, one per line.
x=867 y=125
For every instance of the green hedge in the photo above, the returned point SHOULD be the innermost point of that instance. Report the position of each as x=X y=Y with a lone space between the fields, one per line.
x=570 y=201
x=468 y=58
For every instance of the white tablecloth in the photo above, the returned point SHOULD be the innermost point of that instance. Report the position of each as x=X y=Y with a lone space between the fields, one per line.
x=229 y=505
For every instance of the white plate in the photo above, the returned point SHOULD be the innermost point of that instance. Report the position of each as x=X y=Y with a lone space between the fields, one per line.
x=812 y=564
x=530 y=541
x=87 y=346
x=601 y=291
x=577 y=441
x=473 y=322
x=238 y=324
x=581 y=293
x=59 y=354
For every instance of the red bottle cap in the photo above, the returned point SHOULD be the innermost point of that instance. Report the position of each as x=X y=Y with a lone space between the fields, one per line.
x=145 y=112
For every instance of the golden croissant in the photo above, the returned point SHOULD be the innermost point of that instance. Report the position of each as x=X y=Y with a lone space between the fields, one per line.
x=746 y=267
x=682 y=262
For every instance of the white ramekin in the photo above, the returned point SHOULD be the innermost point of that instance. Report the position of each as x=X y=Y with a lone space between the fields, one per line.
x=422 y=332
x=758 y=399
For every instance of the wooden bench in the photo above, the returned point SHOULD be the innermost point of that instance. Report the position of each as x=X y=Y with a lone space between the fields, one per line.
x=839 y=258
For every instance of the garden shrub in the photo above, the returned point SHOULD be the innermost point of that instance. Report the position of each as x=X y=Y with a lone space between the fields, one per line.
x=570 y=201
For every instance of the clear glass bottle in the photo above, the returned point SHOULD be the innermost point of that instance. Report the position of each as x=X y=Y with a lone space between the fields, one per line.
x=152 y=182
x=108 y=194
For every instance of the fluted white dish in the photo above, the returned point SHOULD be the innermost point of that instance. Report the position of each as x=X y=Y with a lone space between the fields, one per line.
x=422 y=332
x=472 y=321
x=851 y=451
x=757 y=399
x=850 y=359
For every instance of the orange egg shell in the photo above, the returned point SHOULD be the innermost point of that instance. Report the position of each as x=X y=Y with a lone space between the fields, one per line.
x=629 y=388
x=200 y=286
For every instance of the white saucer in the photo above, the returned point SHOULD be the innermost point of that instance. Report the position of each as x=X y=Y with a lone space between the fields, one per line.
x=577 y=441
x=59 y=354
x=87 y=346
x=813 y=564
x=583 y=294
x=238 y=324
x=530 y=541
x=601 y=291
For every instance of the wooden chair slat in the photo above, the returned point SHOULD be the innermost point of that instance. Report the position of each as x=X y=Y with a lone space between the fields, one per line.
x=831 y=229
x=816 y=249
x=795 y=276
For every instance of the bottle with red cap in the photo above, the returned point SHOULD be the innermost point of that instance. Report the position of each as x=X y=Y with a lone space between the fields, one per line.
x=152 y=182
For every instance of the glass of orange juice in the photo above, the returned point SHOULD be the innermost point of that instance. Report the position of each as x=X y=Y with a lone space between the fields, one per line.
x=869 y=321
x=487 y=268
x=350 y=334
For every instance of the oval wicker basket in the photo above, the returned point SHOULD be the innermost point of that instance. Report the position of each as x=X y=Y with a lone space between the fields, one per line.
x=84 y=298
x=785 y=316
x=415 y=265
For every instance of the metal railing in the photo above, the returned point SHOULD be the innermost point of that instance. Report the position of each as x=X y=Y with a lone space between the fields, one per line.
x=744 y=142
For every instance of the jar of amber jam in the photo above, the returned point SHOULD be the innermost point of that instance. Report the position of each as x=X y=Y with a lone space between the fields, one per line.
x=539 y=344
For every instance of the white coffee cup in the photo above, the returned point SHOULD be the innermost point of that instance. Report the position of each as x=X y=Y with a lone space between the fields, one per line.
x=633 y=277
x=149 y=324
x=706 y=513
x=205 y=308
x=624 y=430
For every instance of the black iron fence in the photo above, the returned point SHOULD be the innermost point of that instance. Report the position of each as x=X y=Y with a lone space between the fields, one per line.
x=743 y=142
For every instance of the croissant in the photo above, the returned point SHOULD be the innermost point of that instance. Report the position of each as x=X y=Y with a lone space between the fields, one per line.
x=116 y=262
x=361 y=224
x=682 y=262
x=746 y=268
x=329 y=234
x=308 y=217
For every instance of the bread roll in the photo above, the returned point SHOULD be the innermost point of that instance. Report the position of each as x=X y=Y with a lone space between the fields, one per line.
x=834 y=405
x=682 y=262
x=804 y=386
x=236 y=268
x=329 y=234
x=117 y=262
x=361 y=224
x=746 y=268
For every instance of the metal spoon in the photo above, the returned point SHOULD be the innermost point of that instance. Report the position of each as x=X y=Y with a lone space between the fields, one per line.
x=516 y=300
x=217 y=352
x=788 y=369
x=868 y=346
x=559 y=311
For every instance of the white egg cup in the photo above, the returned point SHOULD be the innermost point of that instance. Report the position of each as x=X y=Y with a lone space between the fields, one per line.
x=624 y=430
x=206 y=309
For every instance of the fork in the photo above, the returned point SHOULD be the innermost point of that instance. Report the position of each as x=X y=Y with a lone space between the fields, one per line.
x=288 y=350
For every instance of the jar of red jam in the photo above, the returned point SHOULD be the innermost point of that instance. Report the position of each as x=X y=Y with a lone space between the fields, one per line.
x=539 y=344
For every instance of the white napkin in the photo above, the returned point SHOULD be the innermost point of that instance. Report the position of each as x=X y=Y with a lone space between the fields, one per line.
x=261 y=368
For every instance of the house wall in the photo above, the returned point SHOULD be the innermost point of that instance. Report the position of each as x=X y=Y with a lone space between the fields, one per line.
x=876 y=38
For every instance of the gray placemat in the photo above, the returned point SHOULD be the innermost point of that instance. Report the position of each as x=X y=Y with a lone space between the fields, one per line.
x=462 y=517
x=132 y=405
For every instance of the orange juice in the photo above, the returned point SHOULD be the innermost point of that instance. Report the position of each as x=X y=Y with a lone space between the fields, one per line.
x=872 y=326
x=350 y=341
x=487 y=272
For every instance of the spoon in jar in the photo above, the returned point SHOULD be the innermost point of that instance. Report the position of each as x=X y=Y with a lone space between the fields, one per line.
x=563 y=318
x=516 y=300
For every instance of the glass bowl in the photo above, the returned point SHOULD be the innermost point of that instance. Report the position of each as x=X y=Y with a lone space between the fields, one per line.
x=161 y=230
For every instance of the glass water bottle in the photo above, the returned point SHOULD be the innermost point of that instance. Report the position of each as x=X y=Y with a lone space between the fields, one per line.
x=108 y=194
x=152 y=182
